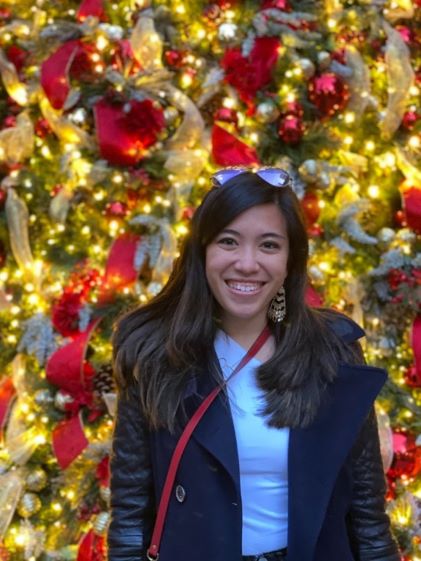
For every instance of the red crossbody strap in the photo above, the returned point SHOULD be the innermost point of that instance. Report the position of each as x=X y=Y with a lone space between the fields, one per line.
x=153 y=550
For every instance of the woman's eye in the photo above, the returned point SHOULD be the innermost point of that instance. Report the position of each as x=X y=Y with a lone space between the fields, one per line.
x=271 y=245
x=227 y=241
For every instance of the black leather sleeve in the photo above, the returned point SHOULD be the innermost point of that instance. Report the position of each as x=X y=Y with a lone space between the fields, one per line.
x=131 y=483
x=369 y=525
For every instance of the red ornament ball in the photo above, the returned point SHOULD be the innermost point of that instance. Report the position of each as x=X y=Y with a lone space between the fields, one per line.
x=226 y=115
x=9 y=121
x=329 y=93
x=277 y=4
x=400 y=219
x=116 y=209
x=5 y=13
x=406 y=33
x=56 y=189
x=294 y=108
x=42 y=128
x=409 y=120
x=4 y=553
x=211 y=12
x=291 y=129
x=174 y=58
x=187 y=213
x=3 y=255
x=412 y=377
x=311 y=208
x=3 y=197
x=315 y=231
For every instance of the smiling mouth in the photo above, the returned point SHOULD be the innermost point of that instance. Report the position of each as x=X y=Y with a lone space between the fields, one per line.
x=244 y=287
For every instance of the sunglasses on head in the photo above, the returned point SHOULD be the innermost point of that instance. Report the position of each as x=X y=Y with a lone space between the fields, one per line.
x=276 y=177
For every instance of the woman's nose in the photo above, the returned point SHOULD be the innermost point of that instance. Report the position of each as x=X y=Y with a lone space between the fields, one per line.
x=247 y=262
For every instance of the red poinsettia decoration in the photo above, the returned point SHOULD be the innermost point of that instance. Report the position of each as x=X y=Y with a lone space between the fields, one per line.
x=65 y=314
x=125 y=130
x=65 y=311
x=250 y=74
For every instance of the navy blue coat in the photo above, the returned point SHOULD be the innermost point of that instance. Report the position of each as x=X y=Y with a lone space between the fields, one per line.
x=336 y=483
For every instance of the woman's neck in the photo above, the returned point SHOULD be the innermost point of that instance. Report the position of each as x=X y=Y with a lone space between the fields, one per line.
x=244 y=331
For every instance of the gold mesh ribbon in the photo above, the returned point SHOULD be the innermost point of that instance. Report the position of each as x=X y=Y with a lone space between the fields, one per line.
x=400 y=78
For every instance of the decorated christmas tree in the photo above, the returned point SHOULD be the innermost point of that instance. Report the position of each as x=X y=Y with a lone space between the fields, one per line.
x=113 y=115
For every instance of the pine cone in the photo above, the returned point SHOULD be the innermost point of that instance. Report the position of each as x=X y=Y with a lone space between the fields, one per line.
x=103 y=381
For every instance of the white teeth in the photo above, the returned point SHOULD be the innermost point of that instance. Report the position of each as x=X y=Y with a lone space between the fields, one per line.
x=244 y=286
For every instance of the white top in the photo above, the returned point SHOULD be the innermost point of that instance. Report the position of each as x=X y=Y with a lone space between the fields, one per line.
x=262 y=453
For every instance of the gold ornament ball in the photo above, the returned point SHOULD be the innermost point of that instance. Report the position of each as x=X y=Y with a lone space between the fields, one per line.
x=170 y=115
x=267 y=112
x=29 y=505
x=101 y=523
x=105 y=493
x=36 y=480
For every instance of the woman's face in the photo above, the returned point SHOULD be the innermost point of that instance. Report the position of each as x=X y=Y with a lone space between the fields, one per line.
x=246 y=263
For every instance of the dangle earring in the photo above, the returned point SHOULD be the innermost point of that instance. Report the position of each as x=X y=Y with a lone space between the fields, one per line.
x=277 y=309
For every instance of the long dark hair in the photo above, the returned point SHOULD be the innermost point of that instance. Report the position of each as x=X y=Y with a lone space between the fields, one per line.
x=166 y=342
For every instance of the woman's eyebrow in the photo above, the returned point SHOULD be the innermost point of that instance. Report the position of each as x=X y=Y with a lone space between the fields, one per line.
x=265 y=235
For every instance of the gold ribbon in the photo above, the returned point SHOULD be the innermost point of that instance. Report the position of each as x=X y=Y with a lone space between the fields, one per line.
x=400 y=77
x=14 y=87
x=66 y=131
x=17 y=221
x=17 y=143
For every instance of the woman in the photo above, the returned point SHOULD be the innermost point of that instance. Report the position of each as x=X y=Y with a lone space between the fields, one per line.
x=285 y=463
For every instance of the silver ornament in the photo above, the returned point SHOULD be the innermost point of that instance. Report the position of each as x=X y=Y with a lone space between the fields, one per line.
x=309 y=171
x=61 y=400
x=227 y=31
x=101 y=523
x=78 y=116
x=316 y=273
x=406 y=235
x=29 y=505
x=43 y=397
x=307 y=67
x=267 y=112
x=324 y=180
x=113 y=32
x=36 y=480
x=386 y=235
x=324 y=59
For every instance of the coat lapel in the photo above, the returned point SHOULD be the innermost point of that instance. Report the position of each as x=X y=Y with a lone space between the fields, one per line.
x=215 y=431
x=317 y=453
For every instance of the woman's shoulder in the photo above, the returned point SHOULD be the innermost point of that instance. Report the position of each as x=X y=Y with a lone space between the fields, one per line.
x=343 y=326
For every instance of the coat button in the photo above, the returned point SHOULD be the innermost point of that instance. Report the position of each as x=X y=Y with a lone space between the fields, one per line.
x=180 y=493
